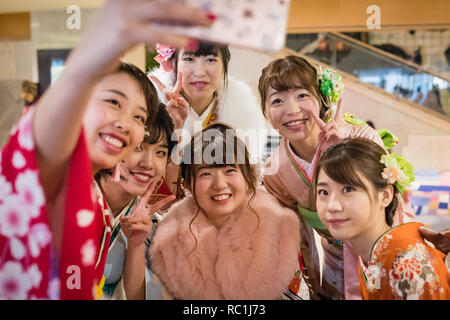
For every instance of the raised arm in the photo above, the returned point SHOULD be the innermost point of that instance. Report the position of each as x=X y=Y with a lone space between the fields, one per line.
x=120 y=26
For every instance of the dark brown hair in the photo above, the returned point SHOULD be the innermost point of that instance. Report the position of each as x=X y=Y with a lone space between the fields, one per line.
x=289 y=73
x=353 y=158
x=160 y=128
x=147 y=87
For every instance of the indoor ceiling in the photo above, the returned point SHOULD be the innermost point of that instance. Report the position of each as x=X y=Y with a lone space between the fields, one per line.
x=8 y=6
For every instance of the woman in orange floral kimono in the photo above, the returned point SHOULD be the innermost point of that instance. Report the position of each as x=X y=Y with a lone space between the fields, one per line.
x=356 y=201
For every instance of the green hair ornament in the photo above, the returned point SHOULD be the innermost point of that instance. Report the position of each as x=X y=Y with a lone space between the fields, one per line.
x=331 y=85
x=349 y=118
x=389 y=139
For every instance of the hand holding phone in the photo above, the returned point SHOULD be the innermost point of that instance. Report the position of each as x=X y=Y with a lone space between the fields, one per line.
x=255 y=24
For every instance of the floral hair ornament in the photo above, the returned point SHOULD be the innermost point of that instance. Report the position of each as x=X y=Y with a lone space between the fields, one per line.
x=332 y=86
x=164 y=53
x=398 y=171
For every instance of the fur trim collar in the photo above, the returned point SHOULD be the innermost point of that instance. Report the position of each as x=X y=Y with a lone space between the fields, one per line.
x=242 y=260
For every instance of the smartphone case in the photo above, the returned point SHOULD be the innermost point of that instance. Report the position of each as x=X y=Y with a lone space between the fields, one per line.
x=255 y=24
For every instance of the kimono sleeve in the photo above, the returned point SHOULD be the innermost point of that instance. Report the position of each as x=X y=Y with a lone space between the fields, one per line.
x=413 y=277
x=274 y=186
x=365 y=132
x=25 y=234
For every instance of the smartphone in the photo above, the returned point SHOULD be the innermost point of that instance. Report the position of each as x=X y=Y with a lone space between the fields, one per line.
x=254 y=24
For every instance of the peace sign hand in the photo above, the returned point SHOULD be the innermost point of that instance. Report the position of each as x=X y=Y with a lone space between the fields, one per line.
x=331 y=133
x=177 y=106
x=138 y=226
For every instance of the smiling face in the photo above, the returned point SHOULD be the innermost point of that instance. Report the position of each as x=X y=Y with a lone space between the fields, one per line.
x=286 y=111
x=114 y=120
x=219 y=191
x=287 y=87
x=202 y=75
x=351 y=212
x=146 y=163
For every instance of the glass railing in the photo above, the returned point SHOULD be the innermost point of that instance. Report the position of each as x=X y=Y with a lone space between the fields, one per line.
x=373 y=66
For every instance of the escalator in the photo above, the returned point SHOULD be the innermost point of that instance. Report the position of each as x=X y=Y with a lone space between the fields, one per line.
x=398 y=77
x=401 y=96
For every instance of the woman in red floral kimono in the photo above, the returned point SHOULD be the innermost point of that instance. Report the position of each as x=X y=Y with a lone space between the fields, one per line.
x=54 y=224
x=356 y=201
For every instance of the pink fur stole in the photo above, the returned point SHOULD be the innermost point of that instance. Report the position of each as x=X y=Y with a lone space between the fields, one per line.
x=241 y=260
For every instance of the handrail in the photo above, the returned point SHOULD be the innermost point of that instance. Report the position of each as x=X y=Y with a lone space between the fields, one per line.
x=371 y=65
x=427 y=111
x=388 y=55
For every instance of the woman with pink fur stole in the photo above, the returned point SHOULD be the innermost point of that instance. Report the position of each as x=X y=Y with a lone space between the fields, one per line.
x=226 y=239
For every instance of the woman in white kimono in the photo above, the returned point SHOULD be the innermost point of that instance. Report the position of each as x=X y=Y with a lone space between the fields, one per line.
x=209 y=93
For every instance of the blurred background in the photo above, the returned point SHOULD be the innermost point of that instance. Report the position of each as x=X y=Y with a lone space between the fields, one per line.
x=394 y=58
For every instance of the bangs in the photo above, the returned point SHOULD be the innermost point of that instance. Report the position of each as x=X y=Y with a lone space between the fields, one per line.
x=285 y=80
x=285 y=76
x=160 y=129
x=215 y=148
x=214 y=166
x=205 y=49
x=155 y=135
x=341 y=168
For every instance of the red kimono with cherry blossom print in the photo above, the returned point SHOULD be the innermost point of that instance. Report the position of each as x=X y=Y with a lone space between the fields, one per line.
x=29 y=265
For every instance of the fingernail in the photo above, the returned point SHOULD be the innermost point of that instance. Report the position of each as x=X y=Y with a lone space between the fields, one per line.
x=211 y=16
x=192 y=45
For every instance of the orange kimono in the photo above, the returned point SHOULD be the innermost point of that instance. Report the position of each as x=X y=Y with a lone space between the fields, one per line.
x=403 y=266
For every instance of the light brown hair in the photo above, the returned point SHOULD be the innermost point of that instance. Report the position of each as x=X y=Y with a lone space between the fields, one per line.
x=221 y=135
x=289 y=73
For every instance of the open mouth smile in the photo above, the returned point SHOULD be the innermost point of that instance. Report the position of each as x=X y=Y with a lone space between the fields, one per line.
x=221 y=198
x=141 y=176
x=113 y=142
x=295 y=123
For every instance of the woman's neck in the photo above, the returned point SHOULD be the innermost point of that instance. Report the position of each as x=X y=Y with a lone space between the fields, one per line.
x=363 y=243
x=116 y=196
x=306 y=148
x=219 y=222
x=201 y=104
